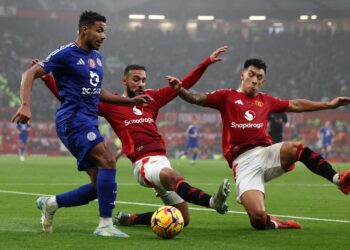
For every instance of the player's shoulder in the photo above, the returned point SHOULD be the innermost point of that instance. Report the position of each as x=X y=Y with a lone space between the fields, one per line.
x=223 y=91
x=67 y=48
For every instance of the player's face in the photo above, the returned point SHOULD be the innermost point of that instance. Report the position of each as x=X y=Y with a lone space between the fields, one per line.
x=135 y=82
x=252 y=80
x=95 y=35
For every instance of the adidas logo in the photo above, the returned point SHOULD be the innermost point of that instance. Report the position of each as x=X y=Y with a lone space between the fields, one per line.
x=239 y=102
x=81 y=62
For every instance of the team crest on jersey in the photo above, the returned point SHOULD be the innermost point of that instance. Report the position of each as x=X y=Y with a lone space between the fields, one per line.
x=137 y=111
x=259 y=103
x=249 y=115
x=91 y=136
x=92 y=63
x=99 y=63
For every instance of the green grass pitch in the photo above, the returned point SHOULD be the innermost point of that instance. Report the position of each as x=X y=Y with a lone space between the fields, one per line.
x=322 y=209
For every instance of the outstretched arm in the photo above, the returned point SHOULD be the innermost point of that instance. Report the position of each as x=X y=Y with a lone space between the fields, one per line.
x=303 y=105
x=23 y=114
x=116 y=99
x=185 y=94
x=189 y=80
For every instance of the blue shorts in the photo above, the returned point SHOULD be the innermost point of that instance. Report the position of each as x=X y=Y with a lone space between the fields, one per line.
x=23 y=139
x=192 y=144
x=79 y=141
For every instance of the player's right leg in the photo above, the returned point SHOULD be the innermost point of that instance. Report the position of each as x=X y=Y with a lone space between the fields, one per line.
x=106 y=188
x=126 y=219
x=253 y=202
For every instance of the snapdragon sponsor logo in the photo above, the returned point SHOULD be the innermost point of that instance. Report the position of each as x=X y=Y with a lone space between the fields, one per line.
x=138 y=121
x=249 y=115
x=91 y=91
x=246 y=125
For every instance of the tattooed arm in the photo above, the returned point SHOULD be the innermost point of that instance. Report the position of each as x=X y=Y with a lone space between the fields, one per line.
x=192 y=97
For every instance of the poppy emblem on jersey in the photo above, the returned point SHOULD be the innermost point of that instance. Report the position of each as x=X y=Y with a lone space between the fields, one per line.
x=249 y=115
x=92 y=63
x=137 y=111
x=99 y=63
x=259 y=103
x=91 y=136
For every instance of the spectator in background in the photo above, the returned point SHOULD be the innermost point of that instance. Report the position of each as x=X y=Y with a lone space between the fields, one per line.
x=276 y=123
x=326 y=134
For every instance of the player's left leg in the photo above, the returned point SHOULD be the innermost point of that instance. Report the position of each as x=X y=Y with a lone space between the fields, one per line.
x=156 y=171
x=294 y=151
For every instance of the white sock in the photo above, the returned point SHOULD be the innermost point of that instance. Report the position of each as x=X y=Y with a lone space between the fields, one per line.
x=336 y=179
x=52 y=203
x=105 y=221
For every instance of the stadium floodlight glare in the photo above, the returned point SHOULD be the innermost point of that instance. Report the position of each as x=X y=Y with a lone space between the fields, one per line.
x=137 y=16
x=277 y=24
x=257 y=18
x=314 y=17
x=304 y=17
x=206 y=18
x=156 y=17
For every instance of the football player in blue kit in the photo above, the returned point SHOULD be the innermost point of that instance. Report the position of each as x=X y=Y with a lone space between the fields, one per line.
x=78 y=72
x=23 y=130
x=192 y=141
x=326 y=135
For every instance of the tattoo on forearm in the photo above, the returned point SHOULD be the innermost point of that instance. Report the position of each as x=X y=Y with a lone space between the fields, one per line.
x=192 y=97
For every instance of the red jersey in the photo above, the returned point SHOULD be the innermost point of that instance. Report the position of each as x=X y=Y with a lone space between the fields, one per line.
x=136 y=126
x=244 y=119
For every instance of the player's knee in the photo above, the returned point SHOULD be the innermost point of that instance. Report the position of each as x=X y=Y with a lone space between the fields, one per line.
x=108 y=162
x=258 y=219
x=169 y=178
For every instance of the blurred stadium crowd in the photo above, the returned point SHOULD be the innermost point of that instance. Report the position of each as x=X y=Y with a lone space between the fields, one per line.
x=302 y=63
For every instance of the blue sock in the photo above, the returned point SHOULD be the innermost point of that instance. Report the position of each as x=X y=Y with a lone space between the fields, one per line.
x=106 y=190
x=77 y=197
x=194 y=156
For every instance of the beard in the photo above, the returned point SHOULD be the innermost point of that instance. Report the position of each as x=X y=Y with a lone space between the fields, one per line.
x=131 y=93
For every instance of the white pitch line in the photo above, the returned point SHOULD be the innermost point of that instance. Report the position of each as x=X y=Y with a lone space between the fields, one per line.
x=137 y=184
x=192 y=208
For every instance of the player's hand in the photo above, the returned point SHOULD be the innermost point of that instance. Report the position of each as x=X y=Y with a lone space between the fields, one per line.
x=23 y=115
x=174 y=83
x=141 y=100
x=215 y=57
x=339 y=101
x=35 y=61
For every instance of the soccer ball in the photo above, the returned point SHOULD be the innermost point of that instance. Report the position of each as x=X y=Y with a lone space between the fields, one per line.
x=167 y=222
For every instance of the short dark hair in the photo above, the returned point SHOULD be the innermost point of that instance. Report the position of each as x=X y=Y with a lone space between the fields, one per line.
x=89 y=18
x=133 y=67
x=258 y=63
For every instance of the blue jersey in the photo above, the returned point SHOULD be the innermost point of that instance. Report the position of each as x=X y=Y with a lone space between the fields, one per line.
x=326 y=136
x=78 y=75
x=192 y=132
x=23 y=131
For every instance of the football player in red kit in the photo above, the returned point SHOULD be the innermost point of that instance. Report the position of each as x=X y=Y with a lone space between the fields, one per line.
x=247 y=146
